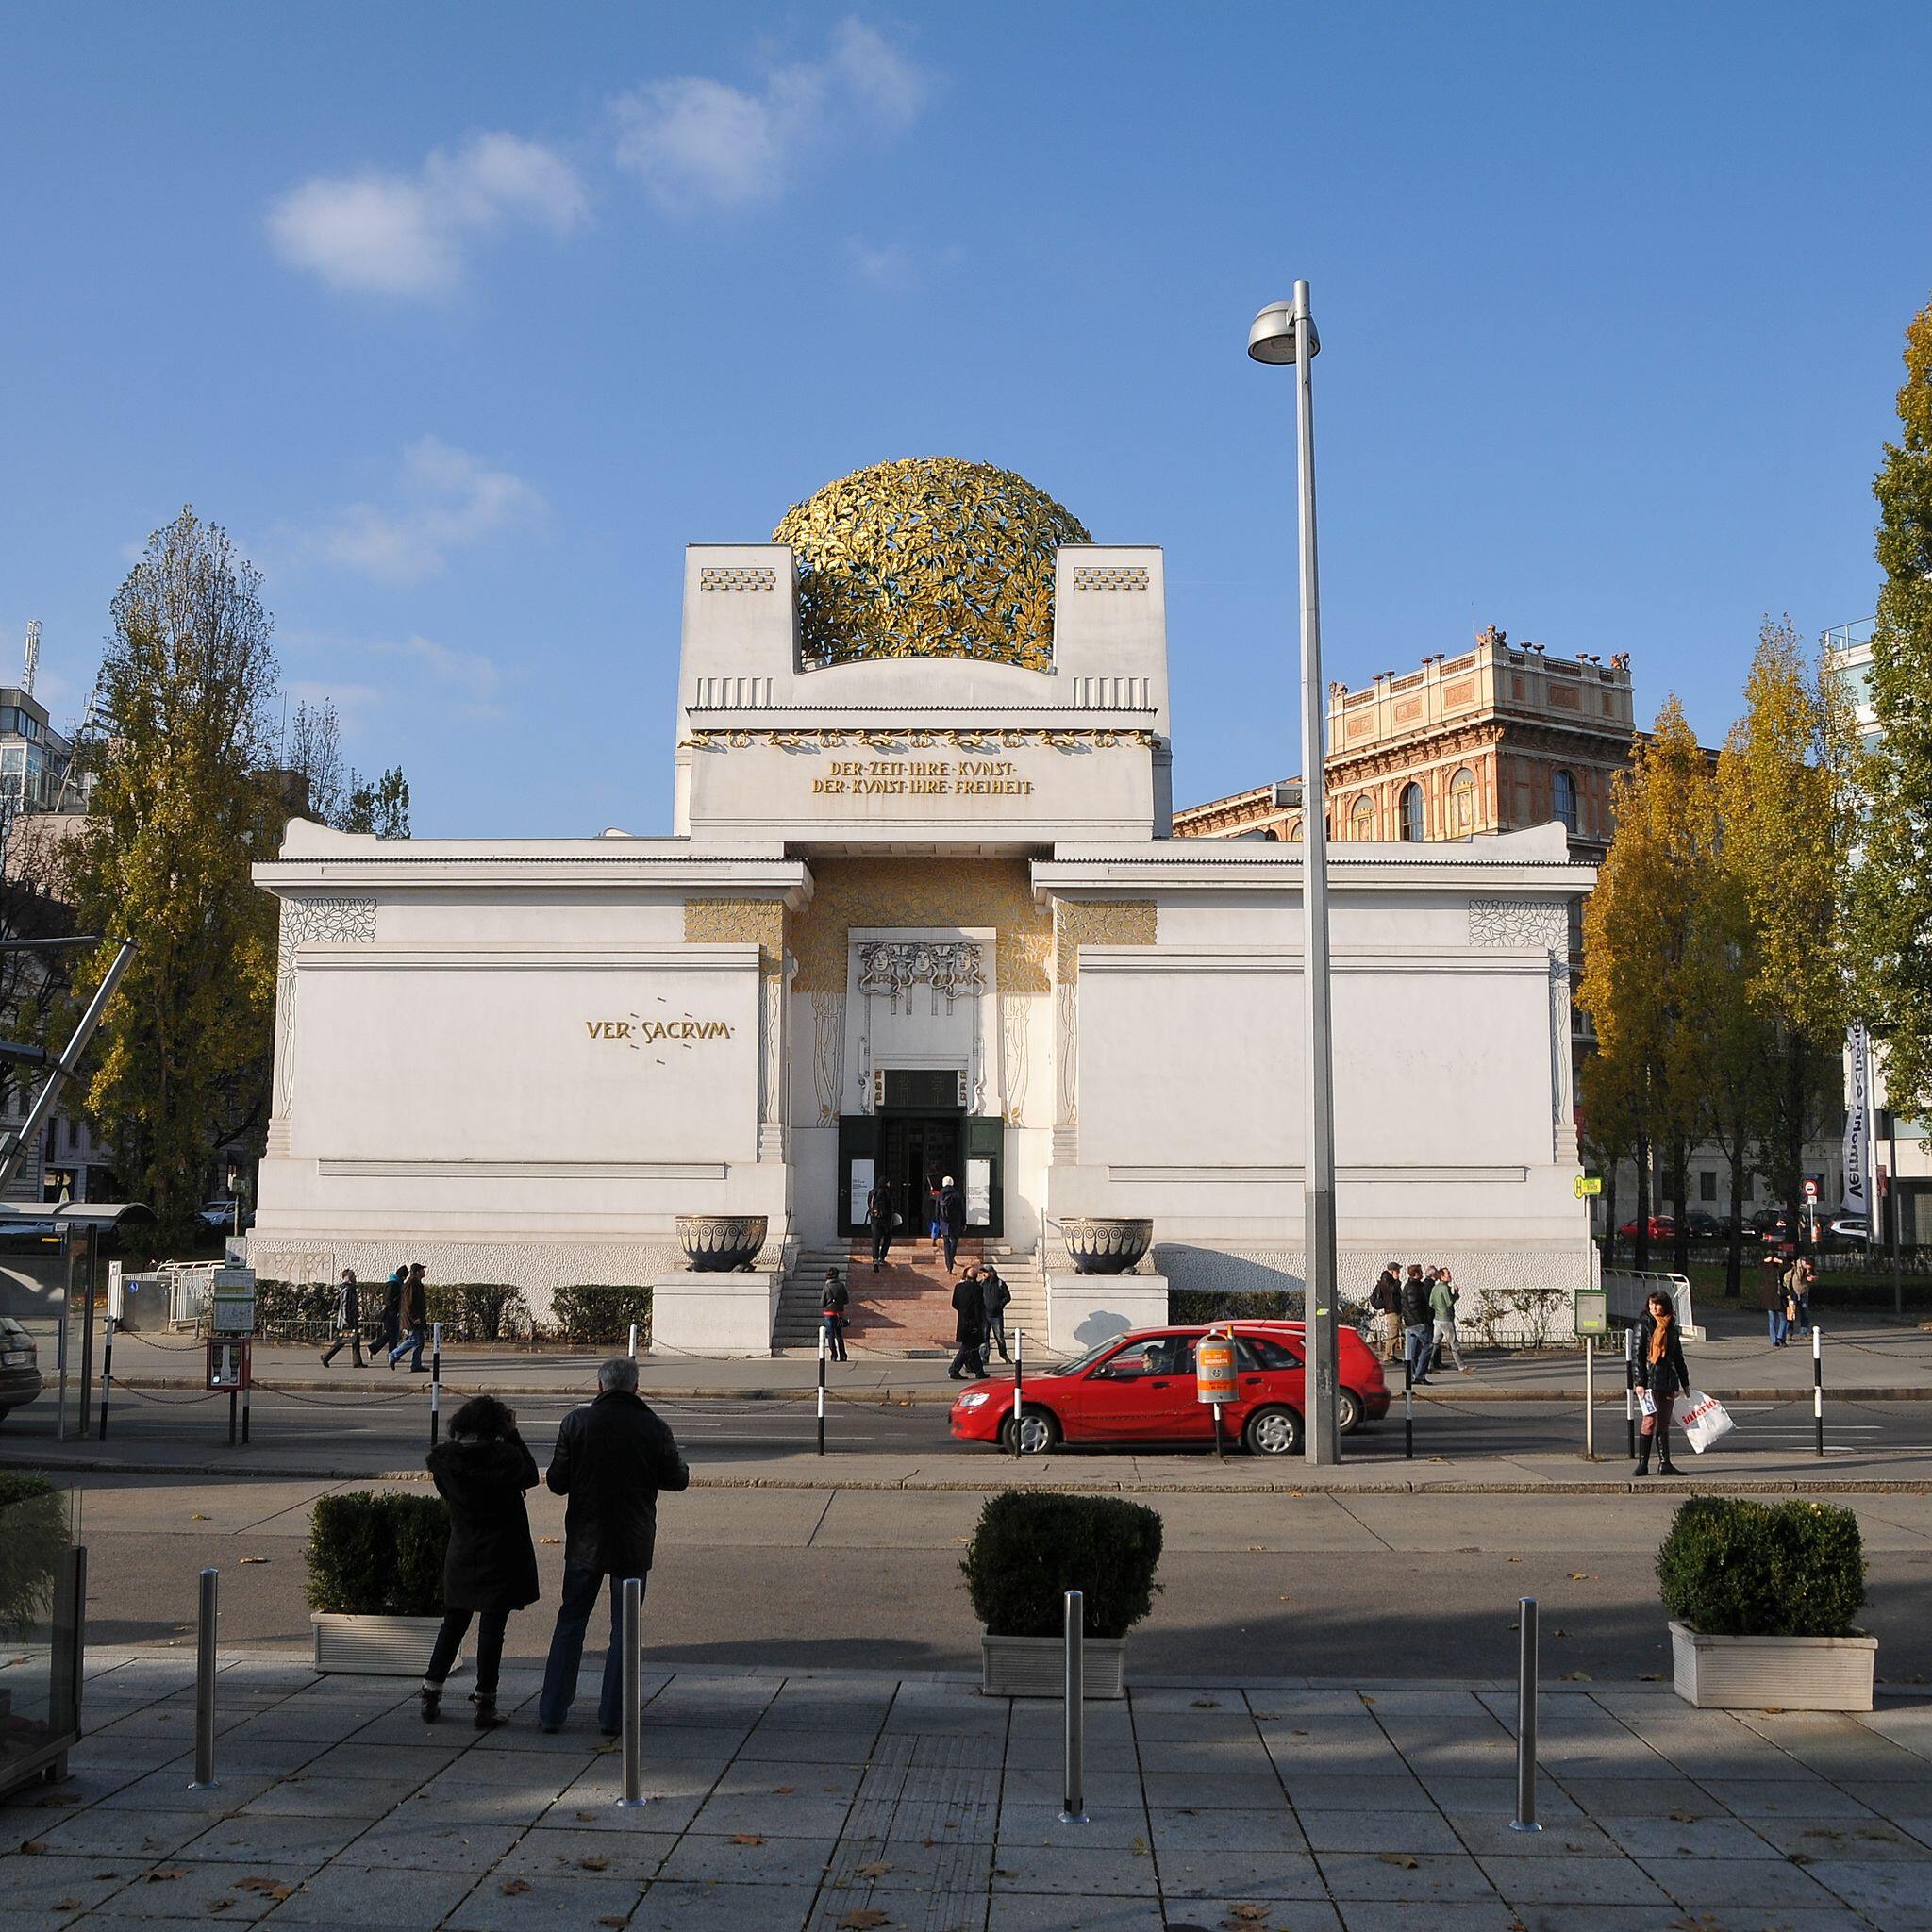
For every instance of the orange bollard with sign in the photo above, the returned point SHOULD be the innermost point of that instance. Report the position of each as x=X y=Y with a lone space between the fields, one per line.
x=1214 y=1376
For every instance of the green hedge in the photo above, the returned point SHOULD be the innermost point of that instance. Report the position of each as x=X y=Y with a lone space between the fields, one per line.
x=377 y=1553
x=33 y=1538
x=1031 y=1548
x=590 y=1311
x=294 y=1311
x=1733 y=1568
x=1190 y=1305
x=478 y=1311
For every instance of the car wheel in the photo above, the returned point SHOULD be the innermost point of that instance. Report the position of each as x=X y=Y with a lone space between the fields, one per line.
x=1038 y=1432
x=1272 y=1432
x=1348 y=1411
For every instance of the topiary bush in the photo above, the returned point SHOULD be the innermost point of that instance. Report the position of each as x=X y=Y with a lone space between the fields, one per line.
x=1031 y=1548
x=1733 y=1568
x=33 y=1538
x=373 y=1553
x=596 y=1311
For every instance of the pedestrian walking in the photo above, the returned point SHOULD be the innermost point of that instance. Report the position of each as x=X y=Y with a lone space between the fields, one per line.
x=1803 y=1279
x=613 y=1456
x=1662 y=1376
x=1443 y=1298
x=994 y=1296
x=969 y=1331
x=1385 y=1298
x=879 y=1218
x=934 y=1222
x=482 y=1469
x=1770 y=1298
x=951 y=1218
x=348 y=1320
x=390 y=1328
x=833 y=1303
x=415 y=1318
x=1418 y=1323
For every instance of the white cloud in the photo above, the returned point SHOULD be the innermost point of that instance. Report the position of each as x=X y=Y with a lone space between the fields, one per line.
x=697 y=141
x=406 y=234
x=897 y=267
x=468 y=672
x=447 y=500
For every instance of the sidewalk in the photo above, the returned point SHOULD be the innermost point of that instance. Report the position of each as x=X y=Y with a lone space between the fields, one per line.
x=1880 y=1360
x=842 y=1802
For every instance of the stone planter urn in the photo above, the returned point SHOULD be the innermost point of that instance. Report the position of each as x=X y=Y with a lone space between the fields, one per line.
x=718 y=1244
x=1783 y=1673
x=1103 y=1244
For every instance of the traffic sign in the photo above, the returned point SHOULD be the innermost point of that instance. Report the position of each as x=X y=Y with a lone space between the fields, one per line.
x=1585 y=1184
x=1810 y=1188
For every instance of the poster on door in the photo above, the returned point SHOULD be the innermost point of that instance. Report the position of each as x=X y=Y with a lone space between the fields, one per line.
x=978 y=1194
x=861 y=1187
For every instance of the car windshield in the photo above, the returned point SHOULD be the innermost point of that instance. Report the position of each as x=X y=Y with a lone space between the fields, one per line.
x=1081 y=1363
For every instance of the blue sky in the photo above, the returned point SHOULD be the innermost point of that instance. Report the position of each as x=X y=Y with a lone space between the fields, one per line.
x=464 y=319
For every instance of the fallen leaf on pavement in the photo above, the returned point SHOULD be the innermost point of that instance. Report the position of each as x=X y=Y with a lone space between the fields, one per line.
x=587 y=1818
x=747 y=1838
x=256 y=1559
x=1207 y=1704
x=162 y=1871
x=72 y=1904
x=1255 y=1549
x=863 y=1919
x=1774 y=1711
x=614 y=1919
x=1799 y=1857
x=1578 y=1677
x=1560 y=1633
x=268 y=1887
x=1581 y=1577
x=195 y=1516
x=783 y=1791
x=1516 y=1559
x=1401 y=1858
x=1247 y=1914
x=1686 y=1817
x=549 y=1538
x=33 y=1847
x=594 y=1864
x=515 y=1888
x=54 y=1800
x=1650 y=1676
x=1366 y=1698
x=219 y=1904
x=877 y=1869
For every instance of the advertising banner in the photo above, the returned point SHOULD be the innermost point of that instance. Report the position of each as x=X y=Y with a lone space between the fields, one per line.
x=1858 y=1188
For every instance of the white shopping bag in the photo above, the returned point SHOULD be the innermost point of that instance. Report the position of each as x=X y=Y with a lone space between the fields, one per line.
x=1703 y=1419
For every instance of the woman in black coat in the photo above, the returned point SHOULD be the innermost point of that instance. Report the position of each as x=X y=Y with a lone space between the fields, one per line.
x=490 y=1568
x=1660 y=1368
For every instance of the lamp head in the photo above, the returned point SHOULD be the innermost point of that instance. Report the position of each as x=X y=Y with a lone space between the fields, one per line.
x=1271 y=338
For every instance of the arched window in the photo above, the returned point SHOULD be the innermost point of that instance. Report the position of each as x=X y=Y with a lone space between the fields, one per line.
x=1410 y=813
x=1462 y=804
x=1563 y=799
x=1362 y=820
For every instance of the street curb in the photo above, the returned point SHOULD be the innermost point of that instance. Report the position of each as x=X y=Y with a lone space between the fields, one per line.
x=1681 y=1486
x=1610 y=1395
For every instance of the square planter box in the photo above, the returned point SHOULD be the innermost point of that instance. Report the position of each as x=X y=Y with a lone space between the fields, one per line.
x=1780 y=1672
x=377 y=1646
x=1036 y=1666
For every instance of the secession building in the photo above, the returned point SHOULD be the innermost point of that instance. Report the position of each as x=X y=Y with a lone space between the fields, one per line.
x=923 y=910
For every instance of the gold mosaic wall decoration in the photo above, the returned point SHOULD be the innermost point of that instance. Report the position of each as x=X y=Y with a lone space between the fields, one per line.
x=1098 y=923
x=931 y=557
x=739 y=922
x=893 y=891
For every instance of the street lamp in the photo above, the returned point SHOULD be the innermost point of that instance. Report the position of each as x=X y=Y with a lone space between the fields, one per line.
x=1285 y=332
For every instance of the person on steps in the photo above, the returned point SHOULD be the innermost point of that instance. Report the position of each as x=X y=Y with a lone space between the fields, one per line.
x=1661 y=1374
x=489 y=1569
x=952 y=1220
x=833 y=1303
x=348 y=1322
x=879 y=1219
x=969 y=1331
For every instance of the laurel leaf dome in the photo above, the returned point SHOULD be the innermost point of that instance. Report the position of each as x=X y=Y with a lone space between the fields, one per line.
x=928 y=556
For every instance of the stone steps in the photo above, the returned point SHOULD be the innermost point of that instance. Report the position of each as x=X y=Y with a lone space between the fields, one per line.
x=907 y=1307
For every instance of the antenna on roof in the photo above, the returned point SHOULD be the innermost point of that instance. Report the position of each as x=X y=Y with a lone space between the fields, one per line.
x=33 y=656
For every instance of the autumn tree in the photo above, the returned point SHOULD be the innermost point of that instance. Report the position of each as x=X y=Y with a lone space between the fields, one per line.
x=1891 y=890
x=1787 y=798
x=377 y=805
x=180 y=811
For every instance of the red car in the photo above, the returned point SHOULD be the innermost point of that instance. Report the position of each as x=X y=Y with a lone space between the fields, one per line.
x=1140 y=1387
x=1663 y=1227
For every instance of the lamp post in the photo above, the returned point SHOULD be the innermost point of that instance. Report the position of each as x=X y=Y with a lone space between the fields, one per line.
x=1285 y=332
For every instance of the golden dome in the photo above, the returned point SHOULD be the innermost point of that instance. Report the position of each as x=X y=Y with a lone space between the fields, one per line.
x=930 y=556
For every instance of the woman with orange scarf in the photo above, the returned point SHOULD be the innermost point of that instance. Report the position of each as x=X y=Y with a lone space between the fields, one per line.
x=1661 y=1370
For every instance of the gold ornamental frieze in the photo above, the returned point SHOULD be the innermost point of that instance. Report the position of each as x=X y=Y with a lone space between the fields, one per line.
x=785 y=739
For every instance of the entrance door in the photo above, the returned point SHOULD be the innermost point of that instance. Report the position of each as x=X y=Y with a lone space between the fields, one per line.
x=917 y=1151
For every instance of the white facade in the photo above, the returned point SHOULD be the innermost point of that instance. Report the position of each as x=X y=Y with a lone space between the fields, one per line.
x=915 y=912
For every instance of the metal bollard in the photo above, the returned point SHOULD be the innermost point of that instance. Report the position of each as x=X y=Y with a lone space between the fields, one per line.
x=1588 y=1400
x=633 y=1349
x=1073 y=1788
x=106 y=1373
x=1630 y=1393
x=1525 y=1718
x=435 y=1382
x=633 y=1696
x=1408 y=1407
x=204 y=1665
x=1818 y=1384
x=822 y=1388
x=1019 y=1354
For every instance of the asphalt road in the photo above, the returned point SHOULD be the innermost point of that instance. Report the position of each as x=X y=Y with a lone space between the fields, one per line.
x=1357 y=1587
x=375 y=1424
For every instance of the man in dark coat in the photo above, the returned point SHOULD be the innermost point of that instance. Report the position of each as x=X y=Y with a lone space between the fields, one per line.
x=878 y=1218
x=389 y=1331
x=1386 y=1299
x=1418 y=1323
x=489 y=1568
x=349 y=1323
x=969 y=1330
x=415 y=1321
x=612 y=1459
x=994 y=1296
x=951 y=1218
